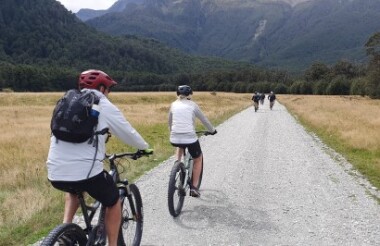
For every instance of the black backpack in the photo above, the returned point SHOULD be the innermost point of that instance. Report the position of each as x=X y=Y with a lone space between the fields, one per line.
x=74 y=119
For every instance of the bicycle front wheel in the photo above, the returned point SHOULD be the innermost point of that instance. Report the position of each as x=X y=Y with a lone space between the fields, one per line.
x=66 y=234
x=176 y=189
x=132 y=218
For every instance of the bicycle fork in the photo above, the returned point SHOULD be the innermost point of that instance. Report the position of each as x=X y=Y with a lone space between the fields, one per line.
x=125 y=192
x=188 y=173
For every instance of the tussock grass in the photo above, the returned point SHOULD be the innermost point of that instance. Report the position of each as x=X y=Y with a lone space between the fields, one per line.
x=349 y=124
x=29 y=206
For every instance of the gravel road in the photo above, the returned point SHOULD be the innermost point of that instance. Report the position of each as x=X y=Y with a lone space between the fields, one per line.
x=266 y=182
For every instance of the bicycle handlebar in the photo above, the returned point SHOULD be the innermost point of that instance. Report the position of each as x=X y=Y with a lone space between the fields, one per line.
x=132 y=155
x=205 y=133
x=102 y=132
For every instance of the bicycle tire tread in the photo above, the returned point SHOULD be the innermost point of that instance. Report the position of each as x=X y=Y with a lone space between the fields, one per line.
x=175 y=210
x=64 y=232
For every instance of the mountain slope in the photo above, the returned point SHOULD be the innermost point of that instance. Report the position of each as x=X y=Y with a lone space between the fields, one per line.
x=43 y=32
x=86 y=14
x=272 y=33
x=326 y=30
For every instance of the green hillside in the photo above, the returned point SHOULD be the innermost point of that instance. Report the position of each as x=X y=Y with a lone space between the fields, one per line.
x=48 y=45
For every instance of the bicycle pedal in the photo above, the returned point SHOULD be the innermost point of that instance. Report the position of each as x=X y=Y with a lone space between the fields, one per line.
x=182 y=192
x=194 y=193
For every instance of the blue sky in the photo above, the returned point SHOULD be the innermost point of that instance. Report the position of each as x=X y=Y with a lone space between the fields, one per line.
x=75 y=5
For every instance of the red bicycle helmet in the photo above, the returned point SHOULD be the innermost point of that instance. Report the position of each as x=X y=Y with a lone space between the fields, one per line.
x=93 y=79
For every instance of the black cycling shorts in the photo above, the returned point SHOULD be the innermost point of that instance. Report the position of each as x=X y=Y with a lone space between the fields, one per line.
x=101 y=187
x=193 y=148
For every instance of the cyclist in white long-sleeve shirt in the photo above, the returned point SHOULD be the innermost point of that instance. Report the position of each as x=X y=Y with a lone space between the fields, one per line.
x=182 y=115
x=72 y=166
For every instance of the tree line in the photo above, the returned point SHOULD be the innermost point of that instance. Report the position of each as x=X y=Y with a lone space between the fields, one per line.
x=342 y=78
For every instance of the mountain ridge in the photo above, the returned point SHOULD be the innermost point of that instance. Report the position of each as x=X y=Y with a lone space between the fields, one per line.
x=269 y=33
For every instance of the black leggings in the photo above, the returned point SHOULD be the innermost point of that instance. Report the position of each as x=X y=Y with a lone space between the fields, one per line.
x=101 y=187
x=193 y=148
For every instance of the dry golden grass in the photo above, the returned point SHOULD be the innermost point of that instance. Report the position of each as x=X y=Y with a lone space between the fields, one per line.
x=24 y=142
x=153 y=108
x=350 y=124
x=23 y=204
x=355 y=120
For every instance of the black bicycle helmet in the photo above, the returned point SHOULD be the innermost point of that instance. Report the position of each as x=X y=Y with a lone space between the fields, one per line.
x=184 y=90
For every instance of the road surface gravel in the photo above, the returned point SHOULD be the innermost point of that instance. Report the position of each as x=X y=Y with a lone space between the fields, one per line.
x=266 y=181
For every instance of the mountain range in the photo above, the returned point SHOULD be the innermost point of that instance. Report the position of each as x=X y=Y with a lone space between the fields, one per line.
x=43 y=47
x=290 y=34
x=43 y=32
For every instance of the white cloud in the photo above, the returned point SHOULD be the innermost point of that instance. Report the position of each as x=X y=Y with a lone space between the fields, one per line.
x=76 y=5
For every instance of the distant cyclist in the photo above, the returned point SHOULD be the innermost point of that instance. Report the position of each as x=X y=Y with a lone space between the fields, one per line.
x=272 y=99
x=262 y=98
x=256 y=98
x=182 y=115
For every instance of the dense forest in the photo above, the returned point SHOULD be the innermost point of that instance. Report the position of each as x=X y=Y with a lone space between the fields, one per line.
x=43 y=47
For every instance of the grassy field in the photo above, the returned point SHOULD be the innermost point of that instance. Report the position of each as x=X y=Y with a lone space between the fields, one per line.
x=348 y=124
x=29 y=206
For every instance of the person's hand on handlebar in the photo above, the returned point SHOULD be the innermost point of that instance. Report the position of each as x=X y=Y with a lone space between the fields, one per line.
x=142 y=152
x=210 y=133
x=147 y=151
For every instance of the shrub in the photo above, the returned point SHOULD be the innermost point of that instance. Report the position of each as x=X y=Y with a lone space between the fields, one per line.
x=358 y=86
x=319 y=87
x=281 y=89
x=339 y=86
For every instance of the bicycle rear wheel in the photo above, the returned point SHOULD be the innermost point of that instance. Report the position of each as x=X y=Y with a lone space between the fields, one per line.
x=132 y=218
x=176 y=189
x=65 y=234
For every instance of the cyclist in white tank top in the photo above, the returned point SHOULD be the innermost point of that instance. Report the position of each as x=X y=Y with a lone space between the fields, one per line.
x=182 y=115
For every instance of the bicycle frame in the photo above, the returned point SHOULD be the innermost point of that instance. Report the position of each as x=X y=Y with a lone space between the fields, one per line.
x=189 y=162
x=95 y=233
x=98 y=236
x=89 y=212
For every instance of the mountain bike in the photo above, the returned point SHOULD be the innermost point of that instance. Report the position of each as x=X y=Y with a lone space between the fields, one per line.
x=262 y=98
x=271 y=103
x=272 y=99
x=256 y=106
x=180 y=180
x=131 y=227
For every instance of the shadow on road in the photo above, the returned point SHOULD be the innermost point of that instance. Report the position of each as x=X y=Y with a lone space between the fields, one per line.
x=218 y=211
